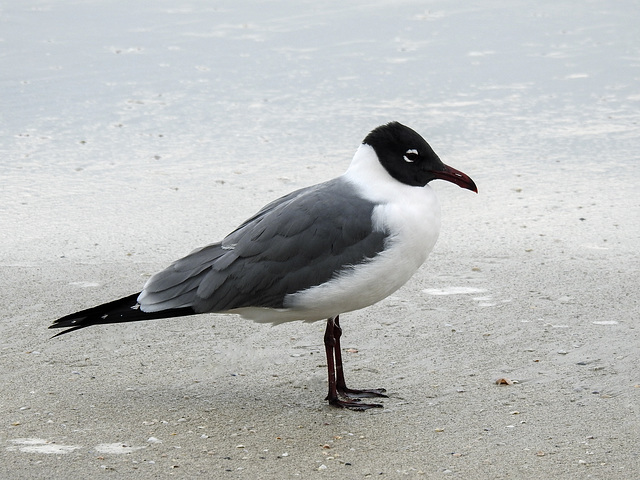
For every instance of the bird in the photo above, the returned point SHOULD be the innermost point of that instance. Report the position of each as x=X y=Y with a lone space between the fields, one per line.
x=313 y=254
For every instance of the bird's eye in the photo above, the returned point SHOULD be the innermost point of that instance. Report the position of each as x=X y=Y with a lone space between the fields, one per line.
x=410 y=155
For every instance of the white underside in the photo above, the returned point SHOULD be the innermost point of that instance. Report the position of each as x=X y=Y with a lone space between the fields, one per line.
x=411 y=214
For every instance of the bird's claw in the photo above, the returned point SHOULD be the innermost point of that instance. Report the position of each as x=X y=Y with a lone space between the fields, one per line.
x=368 y=393
x=353 y=404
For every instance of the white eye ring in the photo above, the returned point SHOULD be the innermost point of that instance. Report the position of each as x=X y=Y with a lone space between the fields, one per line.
x=411 y=152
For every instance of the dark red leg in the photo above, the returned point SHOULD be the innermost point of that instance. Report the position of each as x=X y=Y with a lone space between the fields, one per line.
x=341 y=386
x=329 y=344
x=336 y=374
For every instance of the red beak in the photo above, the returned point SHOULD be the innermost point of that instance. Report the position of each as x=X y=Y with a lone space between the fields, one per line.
x=452 y=175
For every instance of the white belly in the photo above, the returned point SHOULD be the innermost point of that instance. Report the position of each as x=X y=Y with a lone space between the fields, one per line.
x=416 y=223
x=410 y=214
x=416 y=226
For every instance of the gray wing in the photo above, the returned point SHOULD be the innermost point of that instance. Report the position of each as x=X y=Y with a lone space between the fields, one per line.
x=298 y=241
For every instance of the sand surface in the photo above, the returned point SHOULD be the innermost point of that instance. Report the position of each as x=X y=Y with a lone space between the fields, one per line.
x=133 y=133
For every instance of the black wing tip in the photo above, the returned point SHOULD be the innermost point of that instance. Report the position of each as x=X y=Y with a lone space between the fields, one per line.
x=70 y=322
x=63 y=322
x=94 y=315
x=65 y=331
x=118 y=311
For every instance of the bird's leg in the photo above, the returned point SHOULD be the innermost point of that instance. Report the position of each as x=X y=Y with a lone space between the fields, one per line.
x=331 y=345
x=341 y=386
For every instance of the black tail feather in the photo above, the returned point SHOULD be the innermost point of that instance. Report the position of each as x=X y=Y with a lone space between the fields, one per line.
x=118 y=311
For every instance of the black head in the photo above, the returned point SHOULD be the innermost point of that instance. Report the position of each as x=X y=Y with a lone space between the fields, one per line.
x=409 y=159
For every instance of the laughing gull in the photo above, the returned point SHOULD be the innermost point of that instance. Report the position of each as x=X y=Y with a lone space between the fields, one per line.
x=311 y=255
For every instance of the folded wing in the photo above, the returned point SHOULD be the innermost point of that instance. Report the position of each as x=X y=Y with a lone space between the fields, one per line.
x=296 y=242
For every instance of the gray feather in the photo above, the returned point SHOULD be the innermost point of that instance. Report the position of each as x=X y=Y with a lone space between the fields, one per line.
x=296 y=242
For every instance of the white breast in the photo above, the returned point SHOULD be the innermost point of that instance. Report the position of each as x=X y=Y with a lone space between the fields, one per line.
x=410 y=214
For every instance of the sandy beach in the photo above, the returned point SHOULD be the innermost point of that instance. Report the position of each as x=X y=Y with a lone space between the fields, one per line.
x=134 y=134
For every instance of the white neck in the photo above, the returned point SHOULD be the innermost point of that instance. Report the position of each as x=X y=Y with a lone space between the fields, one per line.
x=371 y=178
x=411 y=213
